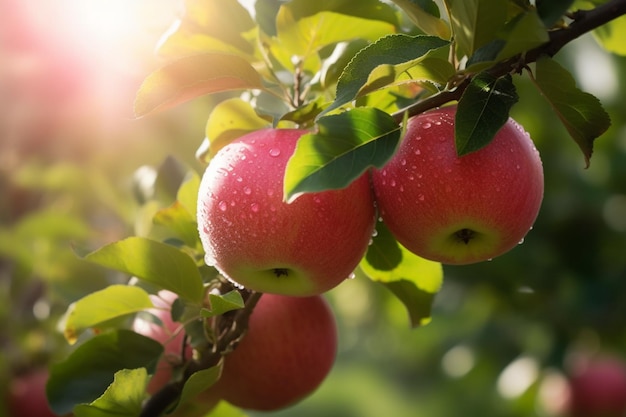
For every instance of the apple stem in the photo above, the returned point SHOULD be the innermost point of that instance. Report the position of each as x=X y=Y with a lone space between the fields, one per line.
x=232 y=328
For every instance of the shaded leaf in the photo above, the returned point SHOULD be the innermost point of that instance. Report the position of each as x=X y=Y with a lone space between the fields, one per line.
x=155 y=262
x=421 y=16
x=405 y=49
x=551 y=11
x=200 y=381
x=104 y=305
x=123 y=398
x=524 y=32
x=193 y=76
x=87 y=372
x=482 y=110
x=178 y=220
x=342 y=149
x=581 y=113
x=384 y=254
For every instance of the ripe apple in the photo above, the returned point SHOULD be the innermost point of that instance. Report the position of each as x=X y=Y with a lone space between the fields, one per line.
x=598 y=389
x=27 y=395
x=260 y=242
x=287 y=352
x=459 y=210
x=169 y=334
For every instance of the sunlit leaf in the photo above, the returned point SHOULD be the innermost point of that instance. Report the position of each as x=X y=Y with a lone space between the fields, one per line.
x=177 y=219
x=200 y=381
x=342 y=149
x=155 y=262
x=193 y=76
x=405 y=49
x=229 y=120
x=428 y=22
x=611 y=35
x=88 y=370
x=581 y=113
x=100 y=306
x=475 y=22
x=222 y=303
x=187 y=194
x=482 y=111
x=412 y=279
x=123 y=398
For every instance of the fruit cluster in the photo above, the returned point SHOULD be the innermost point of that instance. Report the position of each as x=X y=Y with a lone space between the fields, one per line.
x=438 y=205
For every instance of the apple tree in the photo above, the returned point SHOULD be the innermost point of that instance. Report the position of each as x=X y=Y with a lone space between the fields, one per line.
x=317 y=107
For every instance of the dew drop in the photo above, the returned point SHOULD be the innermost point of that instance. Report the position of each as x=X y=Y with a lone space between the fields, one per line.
x=247 y=191
x=401 y=188
x=403 y=162
x=392 y=183
x=209 y=260
x=521 y=241
x=352 y=276
x=374 y=233
x=370 y=242
x=417 y=152
x=270 y=192
x=239 y=179
x=490 y=259
x=274 y=152
x=420 y=197
x=242 y=157
x=426 y=125
x=254 y=207
x=232 y=203
x=222 y=205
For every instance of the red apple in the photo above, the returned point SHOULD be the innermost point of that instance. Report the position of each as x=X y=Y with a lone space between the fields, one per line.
x=27 y=395
x=289 y=349
x=459 y=210
x=598 y=389
x=170 y=334
x=259 y=241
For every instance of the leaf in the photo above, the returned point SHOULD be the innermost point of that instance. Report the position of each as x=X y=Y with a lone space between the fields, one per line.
x=581 y=113
x=193 y=76
x=87 y=372
x=482 y=110
x=229 y=120
x=123 y=398
x=179 y=221
x=342 y=149
x=427 y=22
x=611 y=36
x=221 y=303
x=413 y=280
x=405 y=49
x=187 y=194
x=551 y=11
x=100 y=306
x=155 y=262
x=475 y=22
x=523 y=33
x=200 y=381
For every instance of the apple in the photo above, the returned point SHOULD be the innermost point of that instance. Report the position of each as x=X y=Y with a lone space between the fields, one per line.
x=288 y=351
x=258 y=241
x=169 y=333
x=459 y=210
x=27 y=395
x=598 y=388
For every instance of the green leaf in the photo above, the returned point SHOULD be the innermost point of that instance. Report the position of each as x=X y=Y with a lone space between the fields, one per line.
x=413 y=280
x=123 y=398
x=475 y=22
x=406 y=49
x=523 y=33
x=581 y=113
x=611 y=36
x=193 y=76
x=482 y=110
x=179 y=221
x=342 y=149
x=187 y=194
x=428 y=22
x=304 y=37
x=87 y=372
x=155 y=262
x=229 y=120
x=551 y=11
x=200 y=381
x=104 y=305
x=222 y=303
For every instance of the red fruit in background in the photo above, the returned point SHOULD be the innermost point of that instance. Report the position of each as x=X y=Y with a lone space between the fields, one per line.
x=169 y=334
x=27 y=395
x=598 y=389
x=288 y=351
x=459 y=210
x=255 y=239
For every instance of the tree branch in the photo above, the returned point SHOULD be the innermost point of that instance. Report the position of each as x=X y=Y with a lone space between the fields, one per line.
x=583 y=21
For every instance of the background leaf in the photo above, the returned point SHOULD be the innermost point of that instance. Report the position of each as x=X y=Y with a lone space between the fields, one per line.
x=155 y=262
x=104 y=305
x=199 y=382
x=405 y=49
x=581 y=113
x=179 y=221
x=482 y=111
x=612 y=35
x=342 y=149
x=87 y=372
x=194 y=76
x=420 y=14
x=123 y=398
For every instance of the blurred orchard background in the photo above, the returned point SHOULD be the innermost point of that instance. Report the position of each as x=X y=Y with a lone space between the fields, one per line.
x=77 y=170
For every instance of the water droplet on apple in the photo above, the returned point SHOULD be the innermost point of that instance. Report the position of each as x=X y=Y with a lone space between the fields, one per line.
x=370 y=242
x=392 y=183
x=420 y=197
x=411 y=177
x=274 y=152
x=352 y=276
x=518 y=166
x=403 y=162
x=490 y=259
x=254 y=207
x=209 y=260
x=242 y=157
x=222 y=205
x=426 y=125
x=232 y=203
x=401 y=188
x=521 y=241
x=239 y=179
x=270 y=192
x=374 y=233
x=247 y=190
x=417 y=152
